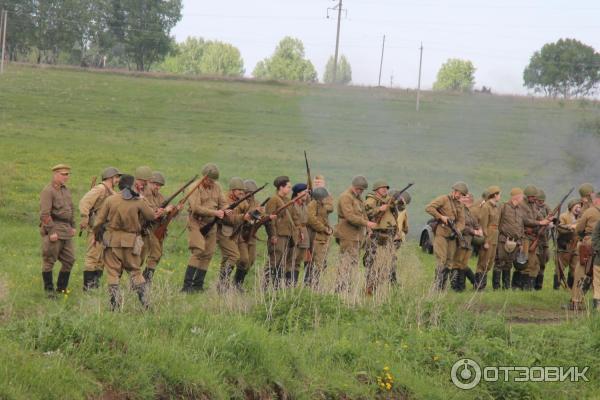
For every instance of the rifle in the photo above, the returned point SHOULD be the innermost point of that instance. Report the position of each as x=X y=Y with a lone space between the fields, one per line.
x=94 y=178
x=559 y=266
x=206 y=228
x=461 y=239
x=309 y=182
x=266 y=218
x=585 y=283
x=148 y=225
x=393 y=200
x=246 y=227
x=550 y=216
x=161 y=230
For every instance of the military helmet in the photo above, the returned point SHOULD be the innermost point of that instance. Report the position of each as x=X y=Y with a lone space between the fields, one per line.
x=110 y=172
x=380 y=183
x=236 y=183
x=143 y=173
x=360 y=182
x=530 y=191
x=157 y=177
x=478 y=240
x=250 y=185
x=586 y=189
x=520 y=262
x=573 y=203
x=461 y=187
x=320 y=193
x=406 y=198
x=492 y=191
x=485 y=195
x=541 y=195
x=210 y=170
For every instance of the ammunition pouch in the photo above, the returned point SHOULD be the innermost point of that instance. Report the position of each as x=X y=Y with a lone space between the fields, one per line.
x=138 y=244
x=585 y=253
x=510 y=245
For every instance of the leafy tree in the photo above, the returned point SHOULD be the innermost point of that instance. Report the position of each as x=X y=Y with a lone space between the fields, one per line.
x=185 y=57
x=567 y=67
x=344 y=71
x=456 y=75
x=288 y=63
x=221 y=59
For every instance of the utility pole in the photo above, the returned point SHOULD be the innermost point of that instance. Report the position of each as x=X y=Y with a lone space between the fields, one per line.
x=339 y=9
x=392 y=80
x=381 y=62
x=419 y=84
x=3 y=26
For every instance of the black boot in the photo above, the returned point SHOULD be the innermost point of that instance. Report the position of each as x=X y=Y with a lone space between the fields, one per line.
x=441 y=277
x=308 y=274
x=114 y=297
x=496 y=277
x=505 y=279
x=239 y=277
x=224 y=274
x=556 y=283
x=516 y=282
x=470 y=276
x=97 y=278
x=89 y=278
x=454 y=280
x=539 y=281
x=288 y=279
x=393 y=277
x=62 y=282
x=148 y=274
x=48 y=282
x=528 y=282
x=295 y=276
x=198 y=281
x=188 y=279
x=570 y=279
x=462 y=278
x=596 y=304
x=142 y=292
x=477 y=284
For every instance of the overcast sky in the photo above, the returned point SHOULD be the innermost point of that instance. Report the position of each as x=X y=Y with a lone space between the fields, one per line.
x=499 y=37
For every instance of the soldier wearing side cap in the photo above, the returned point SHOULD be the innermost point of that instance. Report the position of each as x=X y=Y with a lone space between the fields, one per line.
x=351 y=228
x=318 y=223
x=489 y=219
x=566 y=244
x=302 y=251
x=205 y=204
x=153 y=248
x=57 y=228
x=446 y=209
x=89 y=205
x=542 y=251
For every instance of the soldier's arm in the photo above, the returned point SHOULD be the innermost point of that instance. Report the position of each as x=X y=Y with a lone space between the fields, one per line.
x=146 y=211
x=101 y=217
x=87 y=202
x=350 y=214
x=371 y=208
x=313 y=220
x=432 y=208
x=581 y=224
x=197 y=208
x=596 y=238
x=328 y=204
x=405 y=224
x=45 y=210
x=484 y=220
x=270 y=209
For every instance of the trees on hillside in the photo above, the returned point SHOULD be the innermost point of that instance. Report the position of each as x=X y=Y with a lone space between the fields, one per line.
x=565 y=68
x=456 y=75
x=288 y=63
x=344 y=71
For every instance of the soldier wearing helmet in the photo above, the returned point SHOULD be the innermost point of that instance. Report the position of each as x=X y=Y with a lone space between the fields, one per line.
x=142 y=176
x=542 y=251
x=585 y=191
x=446 y=209
x=318 y=223
x=566 y=244
x=89 y=205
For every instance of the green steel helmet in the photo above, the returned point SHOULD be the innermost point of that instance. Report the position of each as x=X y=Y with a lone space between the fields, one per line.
x=492 y=190
x=478 y=240
x=211 y=170
x=586 y=189
x=143 y=173
x=157 y=177
x=530 y=191
x=360 y=182
x=541 y=195
x=406 y=198
x=110 y=172
x=485 y=195
x=250 y=185
x=461 y=187
x=236 y=184
x=320 y=193
x=380 y=183
x=573 y=203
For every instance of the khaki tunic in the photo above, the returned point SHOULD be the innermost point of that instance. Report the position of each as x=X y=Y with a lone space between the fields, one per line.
x=247 y=248
x=228 y=232
x=318 y=222
x=89 y=205
x=584 y=229
x=286 y=229
x=489 y=219
x=153 y=249
x=444 y=244
x=56 y=216
x=124 y=220
x=202 y=207
x=531 y=217
x=567 y=243
x=511 y=227
x=462 y=255
x=303 y=246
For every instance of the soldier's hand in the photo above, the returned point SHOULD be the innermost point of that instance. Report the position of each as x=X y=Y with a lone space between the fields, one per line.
x=228 y=212
x=371 y=225
x=273 y=240
x=180 y=206
x=219 y=214
x=486 y=246
x=572 y=227
x=73 y=231
x=301 y=236
x=169 y=208
x=53 y=237
x=83 y=225
x=444 y=219
x=544 y=222
x=383 y=208
x=273 y=217
x=157 y=213
x=247 y=217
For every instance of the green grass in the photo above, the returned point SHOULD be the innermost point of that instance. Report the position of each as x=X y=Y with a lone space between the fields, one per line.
x=297 y=344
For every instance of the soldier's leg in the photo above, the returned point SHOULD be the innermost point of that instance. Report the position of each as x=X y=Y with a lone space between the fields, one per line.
x=542 y=259
x=113 y=265
x=204 y=258
x=243 y=264
x=349 y=252
x=230 y=256
x=596 y=285
x=50 y=251
x=66 y=256
x=154 y=256
x=132 y=264
x=369 y=258
x=442 y=255
x=92 y=263
x=320 y=248
x=577 y=294
x=456 y=266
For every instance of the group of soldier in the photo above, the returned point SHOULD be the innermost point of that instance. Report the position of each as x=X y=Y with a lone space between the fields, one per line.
x=123 y=217
x=514 y=236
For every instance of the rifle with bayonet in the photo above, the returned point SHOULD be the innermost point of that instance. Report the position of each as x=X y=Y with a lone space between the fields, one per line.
x=206 y=228
x=161 y=230
x=149 y=225
x=309 y=181
x=554 y=214
x=266 y=218
x=94 y=178
x=397 y=197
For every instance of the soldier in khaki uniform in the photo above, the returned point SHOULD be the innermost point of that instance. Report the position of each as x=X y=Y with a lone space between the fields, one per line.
x=584 y=229
x=402 y=220
x=543 y=252
x=228 y=231
x=124 y=215
x=585 y=191
x=302 y=251
x=460 y=263
x=57 y=228
x=444 y=209
x=318 y=182
x=207 y=203
x=143 y=175
x=89 y=205
x=283 y=234
x=596 y=266
x=381 y=208
x=351 y=229
x=566 y=243
x=489 y=219
x=318 y=223
x=533 y=221
x=153 y=248
x=246 y=242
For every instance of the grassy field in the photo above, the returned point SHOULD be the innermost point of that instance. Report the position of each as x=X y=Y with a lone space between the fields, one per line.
x=296 y=344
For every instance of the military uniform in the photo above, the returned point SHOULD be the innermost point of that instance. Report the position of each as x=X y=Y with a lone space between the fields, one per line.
x=596 y=266
x=56 y=217
x=584 y=229
x=511 y=229
x=318 y=222
x=460 y=262
x=542 y=251
x=124 y=215
x=490 y=221
x=153 y=249
x=531 y=218
x=303 y=246
x=566 y=244
x=286 y=229
x=247 y=243
x=444 y=242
